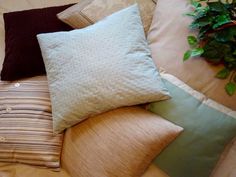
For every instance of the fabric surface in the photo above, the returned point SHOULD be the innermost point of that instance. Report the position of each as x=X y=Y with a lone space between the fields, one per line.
x=120 y=143
x=19 y=170
x=168 y=42
x=208 y=128
x=88 y=12
x=26 y=124
x=19 y=5
x=23 y=57
x=87 y=78
x=226 y=168
x=153 y=171
x=74 y=17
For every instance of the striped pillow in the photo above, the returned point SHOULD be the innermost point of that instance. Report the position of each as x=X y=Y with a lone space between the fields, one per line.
x=88 y=12
x=26 y=124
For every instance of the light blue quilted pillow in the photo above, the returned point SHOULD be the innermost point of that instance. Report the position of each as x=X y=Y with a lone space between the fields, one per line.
x=99 y=68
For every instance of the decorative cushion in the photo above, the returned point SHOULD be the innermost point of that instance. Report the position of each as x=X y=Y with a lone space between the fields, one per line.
x=22 y=54
x=120 y=143
x=20 y=170
x=87 y=78
x=88 y=12
x=26 y=124
x=208 y=128
x=14 y=5
x=168 y=50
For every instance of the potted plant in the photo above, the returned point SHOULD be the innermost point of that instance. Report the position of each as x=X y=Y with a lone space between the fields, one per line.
x=215 y=22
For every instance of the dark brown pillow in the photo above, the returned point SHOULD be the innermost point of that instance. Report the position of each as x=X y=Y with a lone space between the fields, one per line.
x=23 y=56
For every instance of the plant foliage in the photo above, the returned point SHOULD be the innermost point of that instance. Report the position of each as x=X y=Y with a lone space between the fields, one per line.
x=215 y=22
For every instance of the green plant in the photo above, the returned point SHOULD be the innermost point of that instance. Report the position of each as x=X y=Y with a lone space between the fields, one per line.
x=216 y=39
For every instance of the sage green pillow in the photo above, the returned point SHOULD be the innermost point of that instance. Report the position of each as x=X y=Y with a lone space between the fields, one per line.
x=208 y=128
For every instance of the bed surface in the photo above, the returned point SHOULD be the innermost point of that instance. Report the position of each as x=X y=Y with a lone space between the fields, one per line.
x=226 y=168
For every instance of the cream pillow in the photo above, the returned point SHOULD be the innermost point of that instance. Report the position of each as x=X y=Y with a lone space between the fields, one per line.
x=99 y=68
x=87 y=12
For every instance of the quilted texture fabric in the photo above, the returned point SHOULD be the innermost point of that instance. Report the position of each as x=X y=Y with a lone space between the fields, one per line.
x=88 y=12
x=99 y=68
x=118 y=143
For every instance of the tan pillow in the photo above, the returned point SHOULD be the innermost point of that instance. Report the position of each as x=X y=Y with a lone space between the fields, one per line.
x=119 y=143
x=167 y=38
x=87 y=12
x=26 y=124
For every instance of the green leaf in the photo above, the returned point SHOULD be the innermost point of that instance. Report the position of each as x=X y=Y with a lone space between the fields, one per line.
x=223 y=74
x=197 y=52
x=216 y=6
x=231 y=65
x=201 y=12
x=187 y=55
x=192 y=41
x=201 y=22
x=221 y=20
x=215 y=51
x=203 y=32
x=193 y=53
x=191 y=14
x=226 y=35
x=229 y=59
x=195 y=4
x=230 y=88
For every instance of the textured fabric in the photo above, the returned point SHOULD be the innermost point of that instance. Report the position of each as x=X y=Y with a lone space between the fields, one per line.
x=26 y=124
x=227 y=166
x=88 y=12
x=74 y=16
x=87 y=78
x=153 y=171
x=208 y=128
x=119 y=143
x=19 y=170
x=14 y=5
x=23 y=57
x=168 y=41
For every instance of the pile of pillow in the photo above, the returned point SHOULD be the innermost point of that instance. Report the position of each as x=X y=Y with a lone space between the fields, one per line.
x=102 y=66
x=85 y=78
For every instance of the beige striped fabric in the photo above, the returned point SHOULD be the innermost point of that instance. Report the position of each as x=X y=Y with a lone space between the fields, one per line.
x=88 y=12
x=26 y=124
